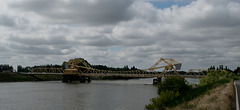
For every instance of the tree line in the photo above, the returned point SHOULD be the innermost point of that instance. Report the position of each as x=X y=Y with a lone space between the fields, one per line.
x=6 y=68
x=29 y=68
x=221 y=67
x=104 y=67
x=100 y=67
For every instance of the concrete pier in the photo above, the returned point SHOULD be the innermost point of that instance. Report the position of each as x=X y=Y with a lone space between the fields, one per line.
x=157 y=80
x=70 y=78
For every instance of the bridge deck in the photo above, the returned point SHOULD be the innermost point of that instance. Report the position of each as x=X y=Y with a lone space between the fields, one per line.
x=120 y=75
x=43 y=73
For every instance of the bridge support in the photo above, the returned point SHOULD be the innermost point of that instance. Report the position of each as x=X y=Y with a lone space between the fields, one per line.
x=157 y=80
x=70 y=78
x=88 y=79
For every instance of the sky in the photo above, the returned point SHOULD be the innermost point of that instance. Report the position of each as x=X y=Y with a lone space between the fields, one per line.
x=196 y=33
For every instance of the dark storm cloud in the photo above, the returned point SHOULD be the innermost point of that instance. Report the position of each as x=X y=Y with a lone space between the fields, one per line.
x=39 y=50
x=53 y=40
x=57 y=45
x=94 y=12
x=7 y=21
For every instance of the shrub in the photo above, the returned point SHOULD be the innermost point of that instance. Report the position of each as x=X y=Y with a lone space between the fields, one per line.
x=214 y=76
x=169 y=90
x=175 y=84
x=174 y=90
x=165 y=99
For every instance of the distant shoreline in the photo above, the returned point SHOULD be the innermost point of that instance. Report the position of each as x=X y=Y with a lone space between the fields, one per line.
x=18 y=77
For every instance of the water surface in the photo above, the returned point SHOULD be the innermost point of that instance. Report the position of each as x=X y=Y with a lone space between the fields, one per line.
x=97 y=95
x=131 y=94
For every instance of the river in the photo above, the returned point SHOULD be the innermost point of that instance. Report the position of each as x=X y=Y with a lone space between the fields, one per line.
x=131 y=94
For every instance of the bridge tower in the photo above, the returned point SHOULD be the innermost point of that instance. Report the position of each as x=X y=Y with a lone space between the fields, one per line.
x=169 y=68
x=75 y=69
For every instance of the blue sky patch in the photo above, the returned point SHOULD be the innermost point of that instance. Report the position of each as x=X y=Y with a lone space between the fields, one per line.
x=169 y=3
x=116 y=48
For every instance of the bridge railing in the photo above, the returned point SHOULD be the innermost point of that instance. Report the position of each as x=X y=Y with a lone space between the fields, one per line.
x=48 y=70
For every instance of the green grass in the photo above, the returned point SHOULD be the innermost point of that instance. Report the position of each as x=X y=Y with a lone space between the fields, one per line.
x=195 y=92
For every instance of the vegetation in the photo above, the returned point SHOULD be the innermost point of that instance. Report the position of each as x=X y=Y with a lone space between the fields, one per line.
x=29 y=69
x=100 y=67
x=104 y=67
x=175 y=84
x=214 y=76
x=163 y=100
x=169 y=90
x=14 y=77
x=17 y=77
x=4 y=68
x=237 y=71
x=174 y=90
x=219 y=98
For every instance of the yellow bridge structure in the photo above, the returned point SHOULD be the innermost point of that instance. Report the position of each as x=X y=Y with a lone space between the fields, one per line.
x=78 y=68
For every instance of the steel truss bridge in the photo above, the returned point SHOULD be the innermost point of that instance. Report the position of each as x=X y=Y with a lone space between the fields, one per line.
x=169 y=67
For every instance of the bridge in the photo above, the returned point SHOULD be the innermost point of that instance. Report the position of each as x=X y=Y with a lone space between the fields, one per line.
x=79 y=68
x=118 y=75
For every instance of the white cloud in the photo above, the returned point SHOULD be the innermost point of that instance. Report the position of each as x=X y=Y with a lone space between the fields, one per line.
x=200 y=34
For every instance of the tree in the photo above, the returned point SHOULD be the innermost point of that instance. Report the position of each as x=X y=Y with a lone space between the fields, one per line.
x=63 y=65
x=100 y=67
x=125 y=68
x=174 y=83
x=169 y=90
x=133 y=68
x=214 y=76
x=163 y=100
x=226 y=68
x=6 y=67
x=237 y=70
x=221 y=67
x=19 y=68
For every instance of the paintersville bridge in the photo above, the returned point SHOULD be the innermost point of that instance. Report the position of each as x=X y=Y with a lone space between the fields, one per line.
x=79 y=69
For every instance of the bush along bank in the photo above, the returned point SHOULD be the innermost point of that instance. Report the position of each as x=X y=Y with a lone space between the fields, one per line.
x=175 y=90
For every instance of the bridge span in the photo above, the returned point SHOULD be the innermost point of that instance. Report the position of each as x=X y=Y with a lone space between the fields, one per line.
x=118 y=75
x=80 y=69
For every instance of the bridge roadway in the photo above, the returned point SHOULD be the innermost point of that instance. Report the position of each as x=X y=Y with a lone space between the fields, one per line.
x=115 y=74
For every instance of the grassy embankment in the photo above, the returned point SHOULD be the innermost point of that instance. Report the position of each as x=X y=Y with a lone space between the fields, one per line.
x=17 y=77
x=219 y=98
x=214 y=92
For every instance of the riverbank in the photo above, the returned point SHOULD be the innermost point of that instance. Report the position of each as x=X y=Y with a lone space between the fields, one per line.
x=215 y=90
x=17 y=77
x=219 y=98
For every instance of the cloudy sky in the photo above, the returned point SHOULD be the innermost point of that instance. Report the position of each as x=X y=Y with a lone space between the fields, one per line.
x=197 y=33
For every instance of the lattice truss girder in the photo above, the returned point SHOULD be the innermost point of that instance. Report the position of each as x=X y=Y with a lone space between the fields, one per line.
x=169 y=66
x=48 y=70
x=86 y=68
